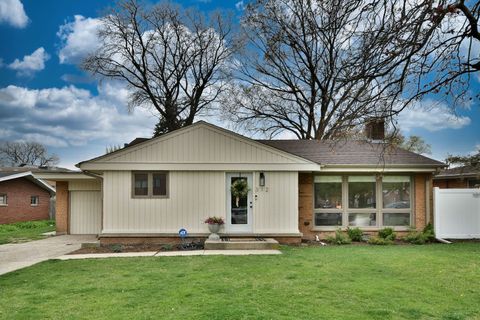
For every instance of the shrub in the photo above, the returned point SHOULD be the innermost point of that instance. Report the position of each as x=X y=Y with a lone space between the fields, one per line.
x=425 y=236
x=339 y=238
x=116 y=248
x=387 y=234
x=355 y=234
x=416 y=237
x=379 y=241
x=429 y=232
x=167 y=247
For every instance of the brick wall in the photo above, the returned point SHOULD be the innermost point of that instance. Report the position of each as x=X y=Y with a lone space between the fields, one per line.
x=19 y=192
x=61 y=214
x=451 y=183
x=420 y=205
x=305 y=206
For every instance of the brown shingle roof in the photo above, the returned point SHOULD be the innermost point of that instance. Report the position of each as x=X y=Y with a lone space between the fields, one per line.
x=352 y=152
x=459 y=172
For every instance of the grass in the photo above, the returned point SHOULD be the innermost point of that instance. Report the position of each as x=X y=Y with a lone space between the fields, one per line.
x=334 y=282
x=25 y=231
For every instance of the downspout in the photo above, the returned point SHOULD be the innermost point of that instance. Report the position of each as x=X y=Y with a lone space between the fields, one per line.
x=443 y=241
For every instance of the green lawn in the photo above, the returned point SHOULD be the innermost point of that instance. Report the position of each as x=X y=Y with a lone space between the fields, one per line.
x=337 y=282
x=25 y=231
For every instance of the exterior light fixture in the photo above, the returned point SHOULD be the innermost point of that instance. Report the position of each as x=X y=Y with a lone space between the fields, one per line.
x=262 y=179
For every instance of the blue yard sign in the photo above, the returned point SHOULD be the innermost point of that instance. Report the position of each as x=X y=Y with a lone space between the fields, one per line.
x=182 y=233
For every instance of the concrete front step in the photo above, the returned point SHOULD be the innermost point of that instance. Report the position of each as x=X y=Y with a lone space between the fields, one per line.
x=91 y=244
x=242 y=244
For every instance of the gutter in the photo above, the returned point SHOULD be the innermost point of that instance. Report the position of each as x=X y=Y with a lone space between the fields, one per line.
x=94 y=175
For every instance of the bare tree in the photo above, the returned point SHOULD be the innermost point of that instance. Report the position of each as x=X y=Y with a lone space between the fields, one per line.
x=319 y=69
x=26 y=153
x=174 y=60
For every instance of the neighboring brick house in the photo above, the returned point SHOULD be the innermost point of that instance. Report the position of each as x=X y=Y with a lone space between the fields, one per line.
x=460 y=177
x=23 y=197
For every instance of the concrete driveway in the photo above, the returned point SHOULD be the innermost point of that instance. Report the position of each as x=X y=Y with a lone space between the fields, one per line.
x=15 y=256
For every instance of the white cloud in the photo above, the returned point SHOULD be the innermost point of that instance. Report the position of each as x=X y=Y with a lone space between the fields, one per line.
x=69 y=116
x=432 y=116
x=78 y=39
x=30 y=63
x=240 y=5
x=12 y=13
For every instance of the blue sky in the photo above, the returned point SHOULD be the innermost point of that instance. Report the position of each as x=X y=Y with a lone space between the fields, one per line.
x=44 y=96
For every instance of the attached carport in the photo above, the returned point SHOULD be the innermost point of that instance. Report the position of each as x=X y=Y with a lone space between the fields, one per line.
x=79 y=202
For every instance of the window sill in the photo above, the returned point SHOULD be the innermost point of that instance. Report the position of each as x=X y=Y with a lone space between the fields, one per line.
x=150 y=197
x=3 y=205
x=34 y=205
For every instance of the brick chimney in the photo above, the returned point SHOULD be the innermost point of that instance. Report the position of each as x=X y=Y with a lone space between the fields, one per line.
x=375 y=129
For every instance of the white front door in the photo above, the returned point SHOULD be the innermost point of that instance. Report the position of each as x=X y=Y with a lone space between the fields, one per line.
x=239 y=208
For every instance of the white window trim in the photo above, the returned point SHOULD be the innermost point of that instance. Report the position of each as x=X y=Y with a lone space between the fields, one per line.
x=36 y=203
x=379 y=210
x=6 y=200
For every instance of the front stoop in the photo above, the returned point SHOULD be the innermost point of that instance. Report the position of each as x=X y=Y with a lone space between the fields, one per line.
x=241 y=244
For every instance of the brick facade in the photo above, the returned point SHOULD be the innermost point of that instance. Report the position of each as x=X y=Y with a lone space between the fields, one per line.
x=19 y=208
x=61 y=214
x=305 y=206
x=450 y=183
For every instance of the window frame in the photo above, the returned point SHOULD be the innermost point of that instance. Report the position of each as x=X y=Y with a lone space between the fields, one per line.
x=37 y=201
x=378 y=210
x=401 y=210
x=6 y=200
x=150 y=194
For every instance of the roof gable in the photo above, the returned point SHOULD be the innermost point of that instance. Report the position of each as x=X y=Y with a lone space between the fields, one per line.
x=6 y=176
x=200 y=143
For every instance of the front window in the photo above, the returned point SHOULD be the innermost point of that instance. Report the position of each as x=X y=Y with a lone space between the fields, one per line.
x=396 y=201
x=34 y=201
x=369 y=201
x=361 y=192
x=3 y=199
x=141 y=184
x=396 y=192
x=328 y=200
x=150 y=184
x=159 y=184
x=328 y=192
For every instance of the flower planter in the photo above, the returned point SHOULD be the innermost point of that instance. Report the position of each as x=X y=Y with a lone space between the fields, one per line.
x=214 y=229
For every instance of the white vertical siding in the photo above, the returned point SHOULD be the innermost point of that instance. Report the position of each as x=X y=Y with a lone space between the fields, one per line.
x=276 y=204
x=85 y=212
x=203 y=144
x=193 y=196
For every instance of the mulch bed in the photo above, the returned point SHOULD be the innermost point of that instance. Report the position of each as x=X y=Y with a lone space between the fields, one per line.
x=116 y=248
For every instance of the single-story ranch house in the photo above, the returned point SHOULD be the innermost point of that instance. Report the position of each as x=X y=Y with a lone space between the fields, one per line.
x=297 y=189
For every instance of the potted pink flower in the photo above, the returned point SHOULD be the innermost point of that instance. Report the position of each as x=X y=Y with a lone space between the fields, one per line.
x=214 y=225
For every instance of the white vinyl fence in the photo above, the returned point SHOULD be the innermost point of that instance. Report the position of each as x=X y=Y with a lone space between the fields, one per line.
x=457 y=213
